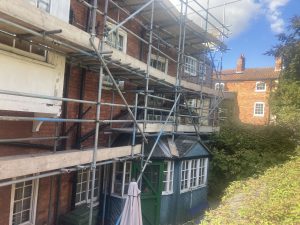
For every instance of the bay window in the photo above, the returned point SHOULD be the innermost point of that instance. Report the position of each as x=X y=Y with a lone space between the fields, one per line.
x=168 y=177
x=193 y=174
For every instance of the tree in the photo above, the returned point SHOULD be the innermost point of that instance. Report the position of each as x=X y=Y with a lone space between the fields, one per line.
x=285 y=101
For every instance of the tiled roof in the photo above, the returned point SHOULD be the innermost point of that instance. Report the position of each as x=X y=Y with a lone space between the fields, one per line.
x=250 y=74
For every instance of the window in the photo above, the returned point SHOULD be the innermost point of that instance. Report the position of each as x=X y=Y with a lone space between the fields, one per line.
x=202 y=70
x=260 y=86
x=42 y=4
x=259 y=109
x=190 y=65
x=23 y=203
x=84 y=187
x=117 y=39
x=121 y=178
x=159 y=63
x=219 y=86
x=168 y=177
x=193 y=174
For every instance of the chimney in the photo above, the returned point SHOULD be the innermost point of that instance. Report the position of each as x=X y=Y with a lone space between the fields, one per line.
x=278 y=64
x=240 y=64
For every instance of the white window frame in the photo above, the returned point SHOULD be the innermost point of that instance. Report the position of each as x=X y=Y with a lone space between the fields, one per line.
x=196 y=176
x=254 y=111
x=202 y=70
x=120 y=32
x=161 y=60
x=33 y=203
x=190 y=65
x=36 y=4
x=218 y=85
x=260 y=90
x=169 y=178
x=125 y=164
x=86 y=199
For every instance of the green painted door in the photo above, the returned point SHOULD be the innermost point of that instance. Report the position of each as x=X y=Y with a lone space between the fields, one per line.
x=151 y=192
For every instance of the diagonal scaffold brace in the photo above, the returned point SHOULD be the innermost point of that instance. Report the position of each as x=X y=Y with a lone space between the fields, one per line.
x=117 y=88
x=158 y=137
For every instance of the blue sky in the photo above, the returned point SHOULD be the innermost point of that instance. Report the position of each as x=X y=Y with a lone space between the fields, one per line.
x=258 y=35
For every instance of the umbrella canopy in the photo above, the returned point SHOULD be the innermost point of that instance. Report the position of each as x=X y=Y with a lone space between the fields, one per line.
x=132 y=213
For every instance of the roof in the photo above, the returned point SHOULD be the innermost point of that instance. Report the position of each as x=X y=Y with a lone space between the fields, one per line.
x=250 y=74
x=184 y=146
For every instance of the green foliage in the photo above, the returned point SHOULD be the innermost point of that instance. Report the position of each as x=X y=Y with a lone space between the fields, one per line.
x=285 y=101
x=241 y=151
x=272 y=198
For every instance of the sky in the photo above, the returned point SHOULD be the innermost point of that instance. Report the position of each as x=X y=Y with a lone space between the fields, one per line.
x=254 y=25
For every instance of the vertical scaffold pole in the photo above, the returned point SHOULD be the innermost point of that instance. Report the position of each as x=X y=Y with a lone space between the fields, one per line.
x=147 y=82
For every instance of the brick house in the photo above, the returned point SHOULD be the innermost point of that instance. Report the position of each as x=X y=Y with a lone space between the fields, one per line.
x=59 y=107
x=252 y=87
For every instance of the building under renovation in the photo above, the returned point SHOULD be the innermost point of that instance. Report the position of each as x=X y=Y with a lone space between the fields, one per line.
x=94 y=94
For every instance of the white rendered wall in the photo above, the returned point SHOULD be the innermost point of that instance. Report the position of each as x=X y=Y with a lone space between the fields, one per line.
x=60 y=9
x=23 y=74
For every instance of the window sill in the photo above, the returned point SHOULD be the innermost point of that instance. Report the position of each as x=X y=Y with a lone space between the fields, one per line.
x=192 y=189
x=119 y=196
x=260 y=90
x=255 y=115
x=167 y=193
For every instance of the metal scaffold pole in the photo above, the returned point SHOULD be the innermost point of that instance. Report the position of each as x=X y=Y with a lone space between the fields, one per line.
x=98 y=112
x=147 y=82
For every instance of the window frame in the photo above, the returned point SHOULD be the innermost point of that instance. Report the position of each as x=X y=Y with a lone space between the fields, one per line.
x=87 y=200
x=161 y=60
x=217 y=86
x=202 y=70
x=263 y=109
x=169 y=178
x=33 y=202
x=37 y=2
x=190 y=67
x=120 y=32
x=260 y=90
x=125 y=163
x=196 y=180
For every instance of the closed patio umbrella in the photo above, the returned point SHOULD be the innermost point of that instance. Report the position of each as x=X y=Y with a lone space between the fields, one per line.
x=132 y=213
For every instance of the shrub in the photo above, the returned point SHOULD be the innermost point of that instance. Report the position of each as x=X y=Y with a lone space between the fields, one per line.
x=272 y=198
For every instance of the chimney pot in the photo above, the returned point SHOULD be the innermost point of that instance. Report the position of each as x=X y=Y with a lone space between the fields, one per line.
x=240 y=65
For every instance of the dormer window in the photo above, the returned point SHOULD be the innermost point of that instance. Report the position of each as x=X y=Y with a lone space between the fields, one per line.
x=260 y=86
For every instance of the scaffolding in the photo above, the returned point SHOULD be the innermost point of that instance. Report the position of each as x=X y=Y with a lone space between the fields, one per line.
x=173 y=29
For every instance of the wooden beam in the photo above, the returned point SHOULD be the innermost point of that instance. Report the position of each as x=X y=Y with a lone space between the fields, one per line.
x=21 y=165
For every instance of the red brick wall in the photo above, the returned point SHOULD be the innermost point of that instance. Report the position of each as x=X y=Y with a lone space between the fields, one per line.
x=5 y=193
x=246 y=98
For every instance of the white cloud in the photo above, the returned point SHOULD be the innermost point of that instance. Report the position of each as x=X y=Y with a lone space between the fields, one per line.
x=240 y=14
x=273 y=14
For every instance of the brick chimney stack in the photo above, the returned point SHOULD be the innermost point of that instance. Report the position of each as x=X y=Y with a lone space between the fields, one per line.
x=278 y=64
x=240 y=65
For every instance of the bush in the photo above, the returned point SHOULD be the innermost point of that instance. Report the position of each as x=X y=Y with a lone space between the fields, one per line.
x=241 y=151
x=272 y=198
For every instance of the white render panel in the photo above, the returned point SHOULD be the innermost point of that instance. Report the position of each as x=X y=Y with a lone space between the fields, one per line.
x=22 y=74
x=60 y=9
